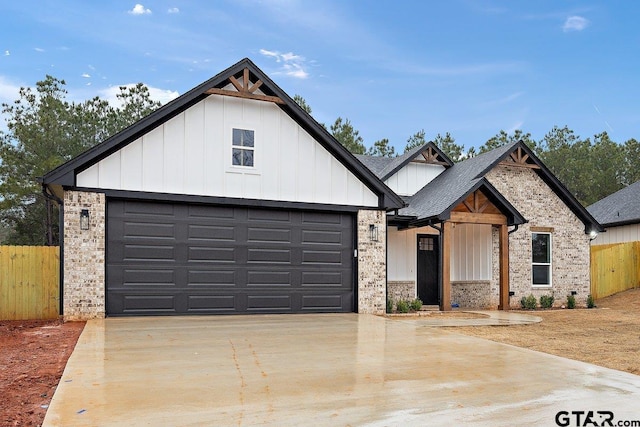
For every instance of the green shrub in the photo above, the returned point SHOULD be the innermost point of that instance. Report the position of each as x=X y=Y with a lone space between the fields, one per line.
x=590 y=301
x=571 y=301
x=389 y=305
x=402 y=306
x=546 y=301
x=415 y=305
x=529 y=303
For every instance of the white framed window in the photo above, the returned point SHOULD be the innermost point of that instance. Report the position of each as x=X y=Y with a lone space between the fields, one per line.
x=242 y=147
x=541 y=250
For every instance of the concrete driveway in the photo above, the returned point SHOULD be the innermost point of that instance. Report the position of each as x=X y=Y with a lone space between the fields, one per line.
x=333 y=370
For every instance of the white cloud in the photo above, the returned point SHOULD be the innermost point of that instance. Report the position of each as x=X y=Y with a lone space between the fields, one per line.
x=9 y=91
x=7 y=53
x=139 y=9
x=575 y=23
x=38 y=49
x=515 y=127
x=173 y=10
x=86 y=75
x=292 y=65
x=157 y=94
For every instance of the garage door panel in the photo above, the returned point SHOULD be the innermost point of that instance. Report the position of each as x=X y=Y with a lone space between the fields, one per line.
x=281 y=303
x=322 y=302
x=202 y=211
x=149 y=253
x=215 y=278
x=269 y=256
x=212 y=233
x=206 y=254
x=209 y=259
x=148 y=277
x=271 y=236
x=211 y=303
x=269 y=278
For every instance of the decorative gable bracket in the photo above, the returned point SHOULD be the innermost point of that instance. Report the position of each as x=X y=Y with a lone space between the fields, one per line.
x=431 y=156
x=245 y=89
x=519 y=158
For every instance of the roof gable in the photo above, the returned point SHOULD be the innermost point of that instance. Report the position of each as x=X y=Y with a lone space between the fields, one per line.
x=619 y=208
x=245 y=80
x=449 y=189
x=386 y=167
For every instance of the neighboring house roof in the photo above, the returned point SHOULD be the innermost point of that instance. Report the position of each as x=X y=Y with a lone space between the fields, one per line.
x=435 y=201
x=619 y=208
x=65 y=175
x=386 y=167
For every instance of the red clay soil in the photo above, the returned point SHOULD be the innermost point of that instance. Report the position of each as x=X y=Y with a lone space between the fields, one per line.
x=33 y=355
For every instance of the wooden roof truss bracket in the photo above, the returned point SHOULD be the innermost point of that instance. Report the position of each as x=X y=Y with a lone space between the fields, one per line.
x=431 y=157
x=245 y=90
x=519 y=158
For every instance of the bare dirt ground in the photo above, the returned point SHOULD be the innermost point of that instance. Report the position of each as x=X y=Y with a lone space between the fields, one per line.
x=33 y=355
x=608 y=335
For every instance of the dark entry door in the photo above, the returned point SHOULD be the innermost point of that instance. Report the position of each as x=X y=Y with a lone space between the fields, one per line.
x=428 y=277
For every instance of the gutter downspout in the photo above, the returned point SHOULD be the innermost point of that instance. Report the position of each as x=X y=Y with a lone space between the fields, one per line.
x=49 y=195
x=515 y=229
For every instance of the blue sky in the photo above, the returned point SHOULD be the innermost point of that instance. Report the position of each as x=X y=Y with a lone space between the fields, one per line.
x=466 y=67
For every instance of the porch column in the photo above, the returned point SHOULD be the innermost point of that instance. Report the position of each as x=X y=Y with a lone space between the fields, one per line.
x=504 y=268
x=445 y=298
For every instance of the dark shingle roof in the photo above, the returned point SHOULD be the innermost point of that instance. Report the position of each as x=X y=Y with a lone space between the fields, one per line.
x=451 y=187
x=436 y=199
x=619 y=208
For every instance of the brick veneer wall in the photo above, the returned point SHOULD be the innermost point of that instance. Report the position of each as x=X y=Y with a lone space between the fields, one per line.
x=84 y=256
x=401 y=290
x=474 y=294
x=570 y=245
x=372 y=263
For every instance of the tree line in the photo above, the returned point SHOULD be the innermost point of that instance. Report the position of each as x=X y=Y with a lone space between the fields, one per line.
x=591 y=168
x=44 y=130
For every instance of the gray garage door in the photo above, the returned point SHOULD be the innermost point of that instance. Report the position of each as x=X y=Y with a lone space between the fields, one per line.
x=165 y=258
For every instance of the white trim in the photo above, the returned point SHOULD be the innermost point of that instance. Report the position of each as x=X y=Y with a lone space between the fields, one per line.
x=256 y=169
x=550 y=263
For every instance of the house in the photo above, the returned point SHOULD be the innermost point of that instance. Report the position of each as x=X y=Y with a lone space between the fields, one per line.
x=615 y=254
x=232 y=199
x=619 y=214
x=229 y=199
x=484 y=232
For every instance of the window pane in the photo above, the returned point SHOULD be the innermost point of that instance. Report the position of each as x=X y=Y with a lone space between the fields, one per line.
x=541 y=275
x=541 y=248
x=247 y=138
x=237 y=137
x=236 y=157
x=247 y=157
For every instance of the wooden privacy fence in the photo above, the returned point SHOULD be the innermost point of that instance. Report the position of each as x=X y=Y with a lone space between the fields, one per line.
x=614 y=268
x=29 y=282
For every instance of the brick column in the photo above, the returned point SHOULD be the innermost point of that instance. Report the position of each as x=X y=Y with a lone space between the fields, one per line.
x=372 y=262
x=84 y=256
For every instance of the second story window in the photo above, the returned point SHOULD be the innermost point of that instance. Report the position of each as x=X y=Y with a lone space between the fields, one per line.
x=242 y=147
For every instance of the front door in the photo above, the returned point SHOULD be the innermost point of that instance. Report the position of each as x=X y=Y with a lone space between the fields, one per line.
x=428 y=250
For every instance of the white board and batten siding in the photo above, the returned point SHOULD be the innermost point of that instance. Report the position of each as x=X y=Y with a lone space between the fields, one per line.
x=471 y=252
x=412 y=177
x=620 y=234
x=191 y=154
x=402 y=256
